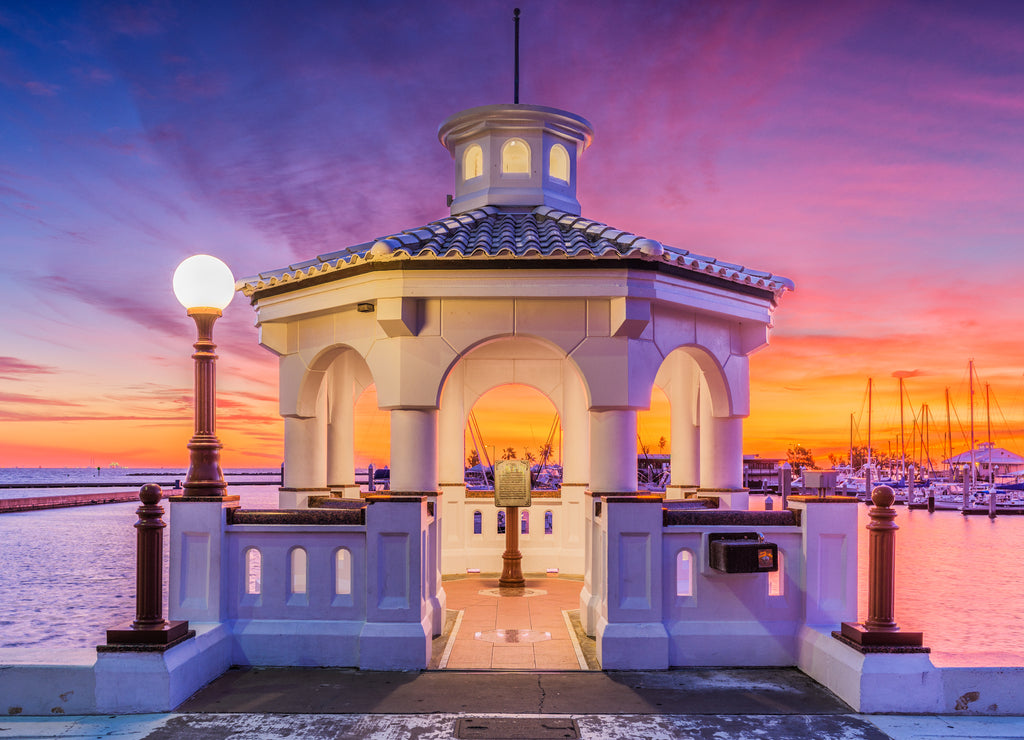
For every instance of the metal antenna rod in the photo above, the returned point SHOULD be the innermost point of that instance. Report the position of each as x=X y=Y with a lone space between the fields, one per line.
x=515 y=97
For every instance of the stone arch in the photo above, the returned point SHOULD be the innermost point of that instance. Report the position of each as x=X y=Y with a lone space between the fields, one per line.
x=707 y=402
x=545 y=367
x=307 y=388
x=317 y=403
x=720 y=390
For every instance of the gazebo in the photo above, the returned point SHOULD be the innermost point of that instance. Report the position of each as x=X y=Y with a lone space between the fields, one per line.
x=514 y=286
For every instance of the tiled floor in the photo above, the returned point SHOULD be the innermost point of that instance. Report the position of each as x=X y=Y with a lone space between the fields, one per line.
x=510 y=632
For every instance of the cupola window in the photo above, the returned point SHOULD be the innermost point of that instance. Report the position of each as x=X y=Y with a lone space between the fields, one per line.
x=515 y=157
x=558 y=163
x=472 y=162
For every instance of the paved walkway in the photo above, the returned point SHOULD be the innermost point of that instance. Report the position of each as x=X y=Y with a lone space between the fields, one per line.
x=513 y=629
x=695 y=704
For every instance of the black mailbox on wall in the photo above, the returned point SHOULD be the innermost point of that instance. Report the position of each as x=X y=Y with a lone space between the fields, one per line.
x=742 y=552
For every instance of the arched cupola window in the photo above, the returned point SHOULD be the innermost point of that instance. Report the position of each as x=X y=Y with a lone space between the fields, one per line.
x=515 y=157
x=472 y=162
x=558 y=163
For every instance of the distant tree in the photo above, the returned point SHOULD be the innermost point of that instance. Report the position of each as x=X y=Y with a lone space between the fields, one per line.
x=661 y=445
x=509 y=453
x=545 y=452
x=799 y=457
x=473 y=460
x=860 y=458
x=645 y=448
x=527 y=455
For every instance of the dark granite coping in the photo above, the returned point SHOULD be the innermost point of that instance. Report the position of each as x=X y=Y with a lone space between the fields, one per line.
x=328 y=502
x=721 y=518
x=297 y=516
x=232 y=498
x=144 y=648
x=890 y=649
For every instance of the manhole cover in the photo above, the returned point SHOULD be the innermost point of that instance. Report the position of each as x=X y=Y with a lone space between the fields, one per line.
x=513 y=592
x=516 y=728
x=512 y=636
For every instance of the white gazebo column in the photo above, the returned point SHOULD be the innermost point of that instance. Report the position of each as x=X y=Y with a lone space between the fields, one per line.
x=613 y=451
x=721 y=458
x=575 y=473
x=414 y=471
x=341 y=474
x=414 y=450
x=305 y=461
x=612 y=471
x=451 y=461
x=684 y=429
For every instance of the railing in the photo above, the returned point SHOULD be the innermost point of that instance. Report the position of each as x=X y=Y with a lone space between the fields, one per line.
x=308 y=564
x=659 y=603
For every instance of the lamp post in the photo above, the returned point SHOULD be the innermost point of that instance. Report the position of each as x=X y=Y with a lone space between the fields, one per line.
x=204 y=286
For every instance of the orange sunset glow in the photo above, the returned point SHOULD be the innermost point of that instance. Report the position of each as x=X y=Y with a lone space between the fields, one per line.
x=869 y=152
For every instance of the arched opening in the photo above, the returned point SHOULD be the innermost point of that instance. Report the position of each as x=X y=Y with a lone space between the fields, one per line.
x=558 y=163
x=253 y=572
x=684 y=573
x=515 y=157
x=298 y=573
x=342 y=572
x=514 y=397
x=472 y=162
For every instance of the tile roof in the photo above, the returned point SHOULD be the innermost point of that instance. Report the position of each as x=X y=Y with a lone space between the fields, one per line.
x=488 y=233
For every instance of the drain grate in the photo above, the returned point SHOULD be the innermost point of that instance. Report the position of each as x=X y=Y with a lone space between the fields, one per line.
x=516 y=728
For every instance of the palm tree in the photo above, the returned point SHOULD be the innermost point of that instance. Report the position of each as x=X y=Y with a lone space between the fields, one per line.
x=509 y=453
x=527 y=455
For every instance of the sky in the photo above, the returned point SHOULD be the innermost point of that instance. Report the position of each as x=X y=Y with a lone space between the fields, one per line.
x=871 y=152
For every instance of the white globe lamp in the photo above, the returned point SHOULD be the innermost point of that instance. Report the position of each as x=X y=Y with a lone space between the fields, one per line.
x=204 y=286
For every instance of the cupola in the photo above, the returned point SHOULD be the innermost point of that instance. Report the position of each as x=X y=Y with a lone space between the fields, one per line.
x=515 y=156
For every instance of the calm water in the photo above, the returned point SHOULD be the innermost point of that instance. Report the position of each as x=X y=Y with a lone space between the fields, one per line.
x=109 y=479
x=66 y=575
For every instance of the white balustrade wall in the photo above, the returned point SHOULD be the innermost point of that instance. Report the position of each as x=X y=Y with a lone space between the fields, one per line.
x=295 y=610
x=657 y=603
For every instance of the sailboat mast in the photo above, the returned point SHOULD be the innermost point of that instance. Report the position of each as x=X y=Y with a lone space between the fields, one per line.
x=991 y=475
x=949 y=440
x=851 y=444
x=867 y=469
x=970 y=379
x=903 y=441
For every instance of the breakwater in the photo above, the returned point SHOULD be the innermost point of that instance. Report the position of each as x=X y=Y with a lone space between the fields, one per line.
x=37 y=503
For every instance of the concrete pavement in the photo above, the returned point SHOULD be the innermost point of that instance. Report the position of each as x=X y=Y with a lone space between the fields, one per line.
x=780 y=704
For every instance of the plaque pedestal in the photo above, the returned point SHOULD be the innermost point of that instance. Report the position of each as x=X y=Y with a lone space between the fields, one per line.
x=512 y=559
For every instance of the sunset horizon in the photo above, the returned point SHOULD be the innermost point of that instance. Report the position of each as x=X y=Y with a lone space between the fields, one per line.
x=869 y=153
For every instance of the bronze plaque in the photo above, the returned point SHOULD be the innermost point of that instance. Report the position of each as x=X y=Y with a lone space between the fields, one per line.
x=512 y=483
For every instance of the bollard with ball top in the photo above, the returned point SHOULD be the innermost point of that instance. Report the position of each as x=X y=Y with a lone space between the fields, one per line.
x=880 y=630
x=149 y=631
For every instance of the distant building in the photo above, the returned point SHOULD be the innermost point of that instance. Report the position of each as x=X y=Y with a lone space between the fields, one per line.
x=761 y=473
